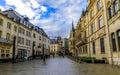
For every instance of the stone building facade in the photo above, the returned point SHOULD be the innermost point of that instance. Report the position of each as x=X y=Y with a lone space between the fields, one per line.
x=29 y=41
x=97 y=31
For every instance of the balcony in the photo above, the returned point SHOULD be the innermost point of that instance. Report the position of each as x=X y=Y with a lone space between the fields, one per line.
x=5 y=41
x=81 y=42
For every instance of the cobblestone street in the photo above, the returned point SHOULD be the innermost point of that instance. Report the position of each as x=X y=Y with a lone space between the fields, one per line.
x=56 y=66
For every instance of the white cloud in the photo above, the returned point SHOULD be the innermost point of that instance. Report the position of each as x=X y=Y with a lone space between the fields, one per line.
x=44 y=9
x=2 y=8
x=59 y=22
x=26 y=7
x=34 y=3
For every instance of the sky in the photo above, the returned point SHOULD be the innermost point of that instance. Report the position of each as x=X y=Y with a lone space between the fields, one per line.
x=54 y=16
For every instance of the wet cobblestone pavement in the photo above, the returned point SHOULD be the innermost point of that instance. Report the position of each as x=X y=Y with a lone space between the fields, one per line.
x=56 y=66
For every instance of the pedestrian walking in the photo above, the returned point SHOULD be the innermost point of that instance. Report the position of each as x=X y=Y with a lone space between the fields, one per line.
x=44 y=58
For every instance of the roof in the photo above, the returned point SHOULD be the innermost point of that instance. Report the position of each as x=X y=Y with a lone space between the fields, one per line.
x=23 y=21
x=53 y=41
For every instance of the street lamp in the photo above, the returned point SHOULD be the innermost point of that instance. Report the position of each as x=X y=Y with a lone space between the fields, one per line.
x=13 y=53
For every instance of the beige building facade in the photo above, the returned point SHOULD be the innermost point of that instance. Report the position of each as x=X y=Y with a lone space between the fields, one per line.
x=55 y=45
x=97 y=32
x=29 y=41
x=8 y=29
x=54 y=48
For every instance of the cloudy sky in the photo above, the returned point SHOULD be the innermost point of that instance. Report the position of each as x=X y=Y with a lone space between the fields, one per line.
x=54 y=16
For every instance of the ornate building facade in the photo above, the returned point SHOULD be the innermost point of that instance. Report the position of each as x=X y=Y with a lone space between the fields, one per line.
x=97 y=32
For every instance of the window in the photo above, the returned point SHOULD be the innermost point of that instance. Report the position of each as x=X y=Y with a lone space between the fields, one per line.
x=85 y=49
x=34 y=35
x=99 y=5
x=91 y=14
x=27 y=42
x=8 y=36
x=2 y=53
x=1 y=21
x=22 y=41
x=113 y=42
x=9 y=25
x=39 y=37
x=7 y=53
x=26 y=33
x=19 y=40
x=0 y=34
x=23 y=31
x=29 y=34
x=92 y=28
x=100 y=21
x=118 y=36
x=102 y=45
x=15 y=28
x=93 y=46
x=110 y=12
x=116 y=6
x=19 y=29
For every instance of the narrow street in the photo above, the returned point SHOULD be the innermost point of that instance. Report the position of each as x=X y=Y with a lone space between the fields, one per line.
x=56 y=66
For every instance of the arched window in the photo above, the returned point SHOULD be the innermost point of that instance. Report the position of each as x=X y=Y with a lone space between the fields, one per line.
x=99 y=5
x=118 y=36
x=113 y=42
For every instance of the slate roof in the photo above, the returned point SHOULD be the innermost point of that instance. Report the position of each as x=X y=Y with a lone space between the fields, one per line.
x=53 y=41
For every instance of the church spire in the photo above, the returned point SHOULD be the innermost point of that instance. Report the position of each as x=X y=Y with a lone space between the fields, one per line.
x=73 y=30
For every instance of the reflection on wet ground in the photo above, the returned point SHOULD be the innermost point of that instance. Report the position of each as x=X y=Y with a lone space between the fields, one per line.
x=56 y=66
